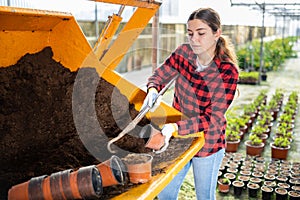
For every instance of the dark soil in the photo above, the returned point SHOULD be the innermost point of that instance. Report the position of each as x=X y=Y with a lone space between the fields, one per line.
x=52 y=119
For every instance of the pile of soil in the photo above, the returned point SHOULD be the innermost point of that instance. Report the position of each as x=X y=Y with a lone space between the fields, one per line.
x=52 y=119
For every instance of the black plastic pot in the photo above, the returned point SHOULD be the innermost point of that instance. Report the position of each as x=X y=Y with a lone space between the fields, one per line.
x=294 y=181
x=256 y=180
x=257 y=174
x=271 y=184
x=220 y=174
x=284 y=185
x=245 y=179
x=252 y=189
x=232 y=170
x=269 y=177
x=281 y=194
x=267 y=192
x=230 y=176
x=238 y=187
x=281 y=179
x=245 y=172
x=296 y=188
x=294 y=195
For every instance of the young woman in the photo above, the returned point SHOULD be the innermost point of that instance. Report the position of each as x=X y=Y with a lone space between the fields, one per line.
x=204 y=90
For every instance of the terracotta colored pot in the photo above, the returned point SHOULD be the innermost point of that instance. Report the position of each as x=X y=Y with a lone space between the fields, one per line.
x=254 y=150
x=223 y=188
x=19 y=192
x=32 y=189
x=232 y=146
x=35 y=188
x=89 y=182
x=112 y=171
x=153 y=137
x=139 y=167
x=279 y=153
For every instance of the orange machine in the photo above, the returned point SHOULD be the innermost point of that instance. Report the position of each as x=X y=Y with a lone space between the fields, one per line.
x=29 y=31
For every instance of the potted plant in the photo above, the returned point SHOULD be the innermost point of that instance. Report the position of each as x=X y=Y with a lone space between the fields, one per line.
x=254 y=146
x=280 y=148
x=260 y=131
x=224 y=185
x=232 y=140
x=274 y=108
x=251 y=111
x=288 y=126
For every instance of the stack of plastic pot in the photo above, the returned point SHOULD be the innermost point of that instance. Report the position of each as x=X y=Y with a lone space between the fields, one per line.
x=85 y=183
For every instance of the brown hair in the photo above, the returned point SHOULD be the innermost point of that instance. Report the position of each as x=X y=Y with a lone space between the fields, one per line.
x=224 y=48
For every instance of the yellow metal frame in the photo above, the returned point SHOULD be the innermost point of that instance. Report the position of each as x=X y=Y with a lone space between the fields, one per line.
x=151 y=189
x=151 y=4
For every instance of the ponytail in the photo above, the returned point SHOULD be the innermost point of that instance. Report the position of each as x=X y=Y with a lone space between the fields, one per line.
x=225 y=50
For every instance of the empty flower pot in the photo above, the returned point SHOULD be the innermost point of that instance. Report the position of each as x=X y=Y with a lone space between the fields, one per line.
x=113 y=171
x=153 y=137
x=267 y=192
x=139 y=167
x=89 y=182
x=19 y=192
x=32 y=189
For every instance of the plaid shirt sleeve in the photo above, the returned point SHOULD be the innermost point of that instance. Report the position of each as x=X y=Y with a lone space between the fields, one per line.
x=202 y=96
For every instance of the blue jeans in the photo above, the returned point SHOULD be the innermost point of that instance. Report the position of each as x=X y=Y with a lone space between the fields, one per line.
x=205 y=171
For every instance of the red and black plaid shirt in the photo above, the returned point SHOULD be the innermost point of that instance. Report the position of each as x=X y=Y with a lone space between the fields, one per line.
x=202 y=96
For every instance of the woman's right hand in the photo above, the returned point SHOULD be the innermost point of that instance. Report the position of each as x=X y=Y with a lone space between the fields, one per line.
x=150 y=100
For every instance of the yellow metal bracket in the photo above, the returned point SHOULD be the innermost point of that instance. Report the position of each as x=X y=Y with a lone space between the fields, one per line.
x=132 y=29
